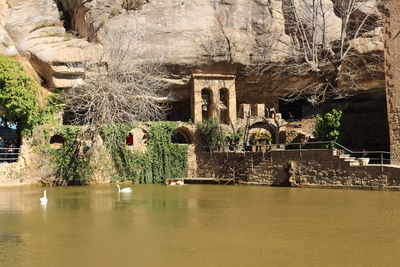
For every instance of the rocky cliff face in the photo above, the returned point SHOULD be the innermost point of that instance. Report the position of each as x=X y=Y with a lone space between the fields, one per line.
x=187 y=35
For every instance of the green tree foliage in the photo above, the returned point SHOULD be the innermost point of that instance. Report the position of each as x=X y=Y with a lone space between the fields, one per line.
x=18 y=95
x=210 y=132
x=162 y=160
x=328 y=127
x=264 y=136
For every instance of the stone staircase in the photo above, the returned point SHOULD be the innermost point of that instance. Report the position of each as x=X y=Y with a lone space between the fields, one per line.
x=353 y=161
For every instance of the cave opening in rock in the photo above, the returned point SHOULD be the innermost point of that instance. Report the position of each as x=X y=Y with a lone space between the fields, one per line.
x=65 y=17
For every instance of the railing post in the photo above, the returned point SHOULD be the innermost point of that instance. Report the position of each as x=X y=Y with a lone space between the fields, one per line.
x=382 y=161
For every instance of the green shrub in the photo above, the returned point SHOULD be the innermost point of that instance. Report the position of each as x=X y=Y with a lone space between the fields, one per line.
x=258 y=136
x=210 y=133
x=235 y=136
x=18 y=95
x=328 y=127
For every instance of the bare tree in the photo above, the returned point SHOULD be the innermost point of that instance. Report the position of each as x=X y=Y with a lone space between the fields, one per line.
x=118 y=86
x=323 y=35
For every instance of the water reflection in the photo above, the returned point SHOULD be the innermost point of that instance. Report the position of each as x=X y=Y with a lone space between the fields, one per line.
x=199 y=226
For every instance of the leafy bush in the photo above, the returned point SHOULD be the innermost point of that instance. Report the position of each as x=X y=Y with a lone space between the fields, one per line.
x=210 y=132
x=234 y=137
x=257 y=136
x=328 y=127
x=18 y=95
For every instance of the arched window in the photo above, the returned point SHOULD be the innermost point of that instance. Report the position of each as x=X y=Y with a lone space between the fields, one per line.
x=207 y=107
x=224 y=105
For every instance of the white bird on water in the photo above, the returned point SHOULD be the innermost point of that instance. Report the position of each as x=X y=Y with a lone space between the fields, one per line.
x=43 y=200
x=124 y=190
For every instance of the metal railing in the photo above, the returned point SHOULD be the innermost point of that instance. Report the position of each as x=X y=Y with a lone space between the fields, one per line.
x=9 y=154
x=374 y=157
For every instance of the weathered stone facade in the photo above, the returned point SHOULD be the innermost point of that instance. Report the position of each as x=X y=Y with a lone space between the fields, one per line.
x=392 y=57
x=316 y=168
x=214 y=97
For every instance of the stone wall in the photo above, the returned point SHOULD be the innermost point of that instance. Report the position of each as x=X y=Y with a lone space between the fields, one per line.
x=316 y=168
x=392 y=56
x=30 y=168
x=225 y=164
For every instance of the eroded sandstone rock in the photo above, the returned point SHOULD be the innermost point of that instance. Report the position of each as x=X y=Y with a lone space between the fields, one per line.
x=187 y=36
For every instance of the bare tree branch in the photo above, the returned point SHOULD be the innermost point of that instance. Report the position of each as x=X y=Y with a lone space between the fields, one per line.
x=119 y=87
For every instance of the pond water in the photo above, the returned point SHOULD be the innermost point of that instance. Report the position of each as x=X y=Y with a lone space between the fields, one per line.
x=199 y=225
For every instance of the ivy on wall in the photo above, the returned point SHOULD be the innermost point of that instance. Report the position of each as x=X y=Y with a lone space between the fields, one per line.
x=72 y=166
x=162 y=160
x=167 y=160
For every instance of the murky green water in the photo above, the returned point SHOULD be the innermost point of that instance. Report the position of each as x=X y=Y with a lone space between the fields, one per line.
x=199 y=225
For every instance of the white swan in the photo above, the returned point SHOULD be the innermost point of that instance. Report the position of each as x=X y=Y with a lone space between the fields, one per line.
x=124 y=190
x=43 y=200
x=179 y=182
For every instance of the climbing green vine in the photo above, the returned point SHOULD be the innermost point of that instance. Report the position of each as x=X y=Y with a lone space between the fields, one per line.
x=72 y=166
x=162 y=160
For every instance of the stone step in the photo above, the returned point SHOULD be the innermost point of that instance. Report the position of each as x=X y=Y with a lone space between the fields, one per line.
x=355 y=163
x=350 y=159
x=344 y=156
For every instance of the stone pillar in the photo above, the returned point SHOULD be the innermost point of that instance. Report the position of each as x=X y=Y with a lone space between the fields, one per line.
x=192 y=162
x=232 y=104
x=244 y=110
x=392 y=68
x=258 y=110
x=197 y=101
x=216 y=104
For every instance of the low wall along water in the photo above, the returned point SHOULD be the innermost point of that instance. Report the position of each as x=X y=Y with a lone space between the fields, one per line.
x=314 y=168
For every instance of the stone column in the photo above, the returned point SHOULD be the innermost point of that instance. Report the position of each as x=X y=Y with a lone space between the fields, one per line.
x=197 y=101
x=258 y=110
x=244 y=111
x=392 y=67
x=232 y=103
x=216 y=104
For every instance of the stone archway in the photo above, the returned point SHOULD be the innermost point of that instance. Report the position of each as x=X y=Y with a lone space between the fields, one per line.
x=182 y=135
x=266 y=127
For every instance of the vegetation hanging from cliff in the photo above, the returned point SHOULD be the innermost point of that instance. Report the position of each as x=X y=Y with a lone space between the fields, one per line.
x=328 y=127
x=18 y=95
x=162 y=160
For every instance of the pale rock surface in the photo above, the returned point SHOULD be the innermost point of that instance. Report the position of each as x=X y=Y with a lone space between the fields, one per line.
x=39 y=35
x=188 y=36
